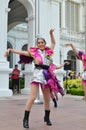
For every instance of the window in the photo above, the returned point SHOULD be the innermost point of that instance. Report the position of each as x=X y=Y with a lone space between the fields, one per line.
x=72 y=16
x=73 y=63
x=71 y=56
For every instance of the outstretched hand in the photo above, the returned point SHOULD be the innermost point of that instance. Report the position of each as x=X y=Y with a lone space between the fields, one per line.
x=7 y=52
x=67 y=63
x=51 y=30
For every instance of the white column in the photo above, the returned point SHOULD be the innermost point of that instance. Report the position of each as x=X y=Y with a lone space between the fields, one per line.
x=63 y=14
x=28 y=74
x=55 y=24
x=37 y=34
x=37 y=24
x=31 y=42
x=4 y=65
x=81 y=18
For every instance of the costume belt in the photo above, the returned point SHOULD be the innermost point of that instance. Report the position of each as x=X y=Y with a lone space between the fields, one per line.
x=41 y=66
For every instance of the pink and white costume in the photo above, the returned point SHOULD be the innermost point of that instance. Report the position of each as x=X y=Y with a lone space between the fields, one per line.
x=40 y=58
x=43 y=71
x=82 y=56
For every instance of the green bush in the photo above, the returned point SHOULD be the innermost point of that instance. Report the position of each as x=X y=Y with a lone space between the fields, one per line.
x=74 y=87
x=21 y=83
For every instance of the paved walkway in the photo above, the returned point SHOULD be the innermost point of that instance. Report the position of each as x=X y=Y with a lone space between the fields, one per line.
x=70 y=114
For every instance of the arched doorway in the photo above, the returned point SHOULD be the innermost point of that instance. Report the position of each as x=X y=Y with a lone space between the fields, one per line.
x=20 y=11
x=17 y=14
x=71 y=56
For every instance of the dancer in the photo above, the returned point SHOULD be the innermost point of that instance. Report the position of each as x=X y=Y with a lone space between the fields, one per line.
x=54 y=94
x=81 y=56
x=41 y=56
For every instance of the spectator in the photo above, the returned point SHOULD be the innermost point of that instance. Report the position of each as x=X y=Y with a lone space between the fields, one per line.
x=15 y=78
x=54 y=94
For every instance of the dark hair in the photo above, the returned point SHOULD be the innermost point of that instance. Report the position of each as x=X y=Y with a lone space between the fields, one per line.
x=40 y=39
x=16 y=65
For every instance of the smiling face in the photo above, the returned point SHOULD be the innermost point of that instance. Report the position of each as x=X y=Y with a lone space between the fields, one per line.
x=41 y=43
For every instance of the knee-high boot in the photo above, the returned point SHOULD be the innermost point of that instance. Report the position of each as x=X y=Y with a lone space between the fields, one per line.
x=55 y=102
x=26 y=119
x=46 y=117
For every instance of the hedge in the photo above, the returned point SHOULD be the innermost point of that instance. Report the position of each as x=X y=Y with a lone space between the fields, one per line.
x=21 y=83
x=74 y=87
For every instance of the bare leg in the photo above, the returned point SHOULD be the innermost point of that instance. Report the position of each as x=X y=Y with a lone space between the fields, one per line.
x=46 y=95
x=84 y=87
x=32 y=97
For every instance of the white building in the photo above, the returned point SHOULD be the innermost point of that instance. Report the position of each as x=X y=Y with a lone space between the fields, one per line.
x=22 y=20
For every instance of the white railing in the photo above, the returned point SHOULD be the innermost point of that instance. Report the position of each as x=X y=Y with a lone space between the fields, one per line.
x=72 y=34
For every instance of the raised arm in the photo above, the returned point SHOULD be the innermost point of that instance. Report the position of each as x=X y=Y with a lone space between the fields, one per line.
x=73 y=47
x=60 y=66
x=25 y=53
x=53 y=42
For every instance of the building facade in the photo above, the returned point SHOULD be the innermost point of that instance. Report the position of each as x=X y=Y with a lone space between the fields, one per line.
x=22 y=21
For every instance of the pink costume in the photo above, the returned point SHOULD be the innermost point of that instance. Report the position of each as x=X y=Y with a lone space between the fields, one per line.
x=43 y=73
x=82 y=56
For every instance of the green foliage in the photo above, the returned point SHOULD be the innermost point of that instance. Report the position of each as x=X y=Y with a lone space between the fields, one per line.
x=21 y=83
x=74 y=86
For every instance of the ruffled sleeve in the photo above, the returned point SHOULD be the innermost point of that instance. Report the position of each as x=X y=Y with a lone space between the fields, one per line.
x=33 y=51
x=25 y=59
x=49 y=51
x=30 y=58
